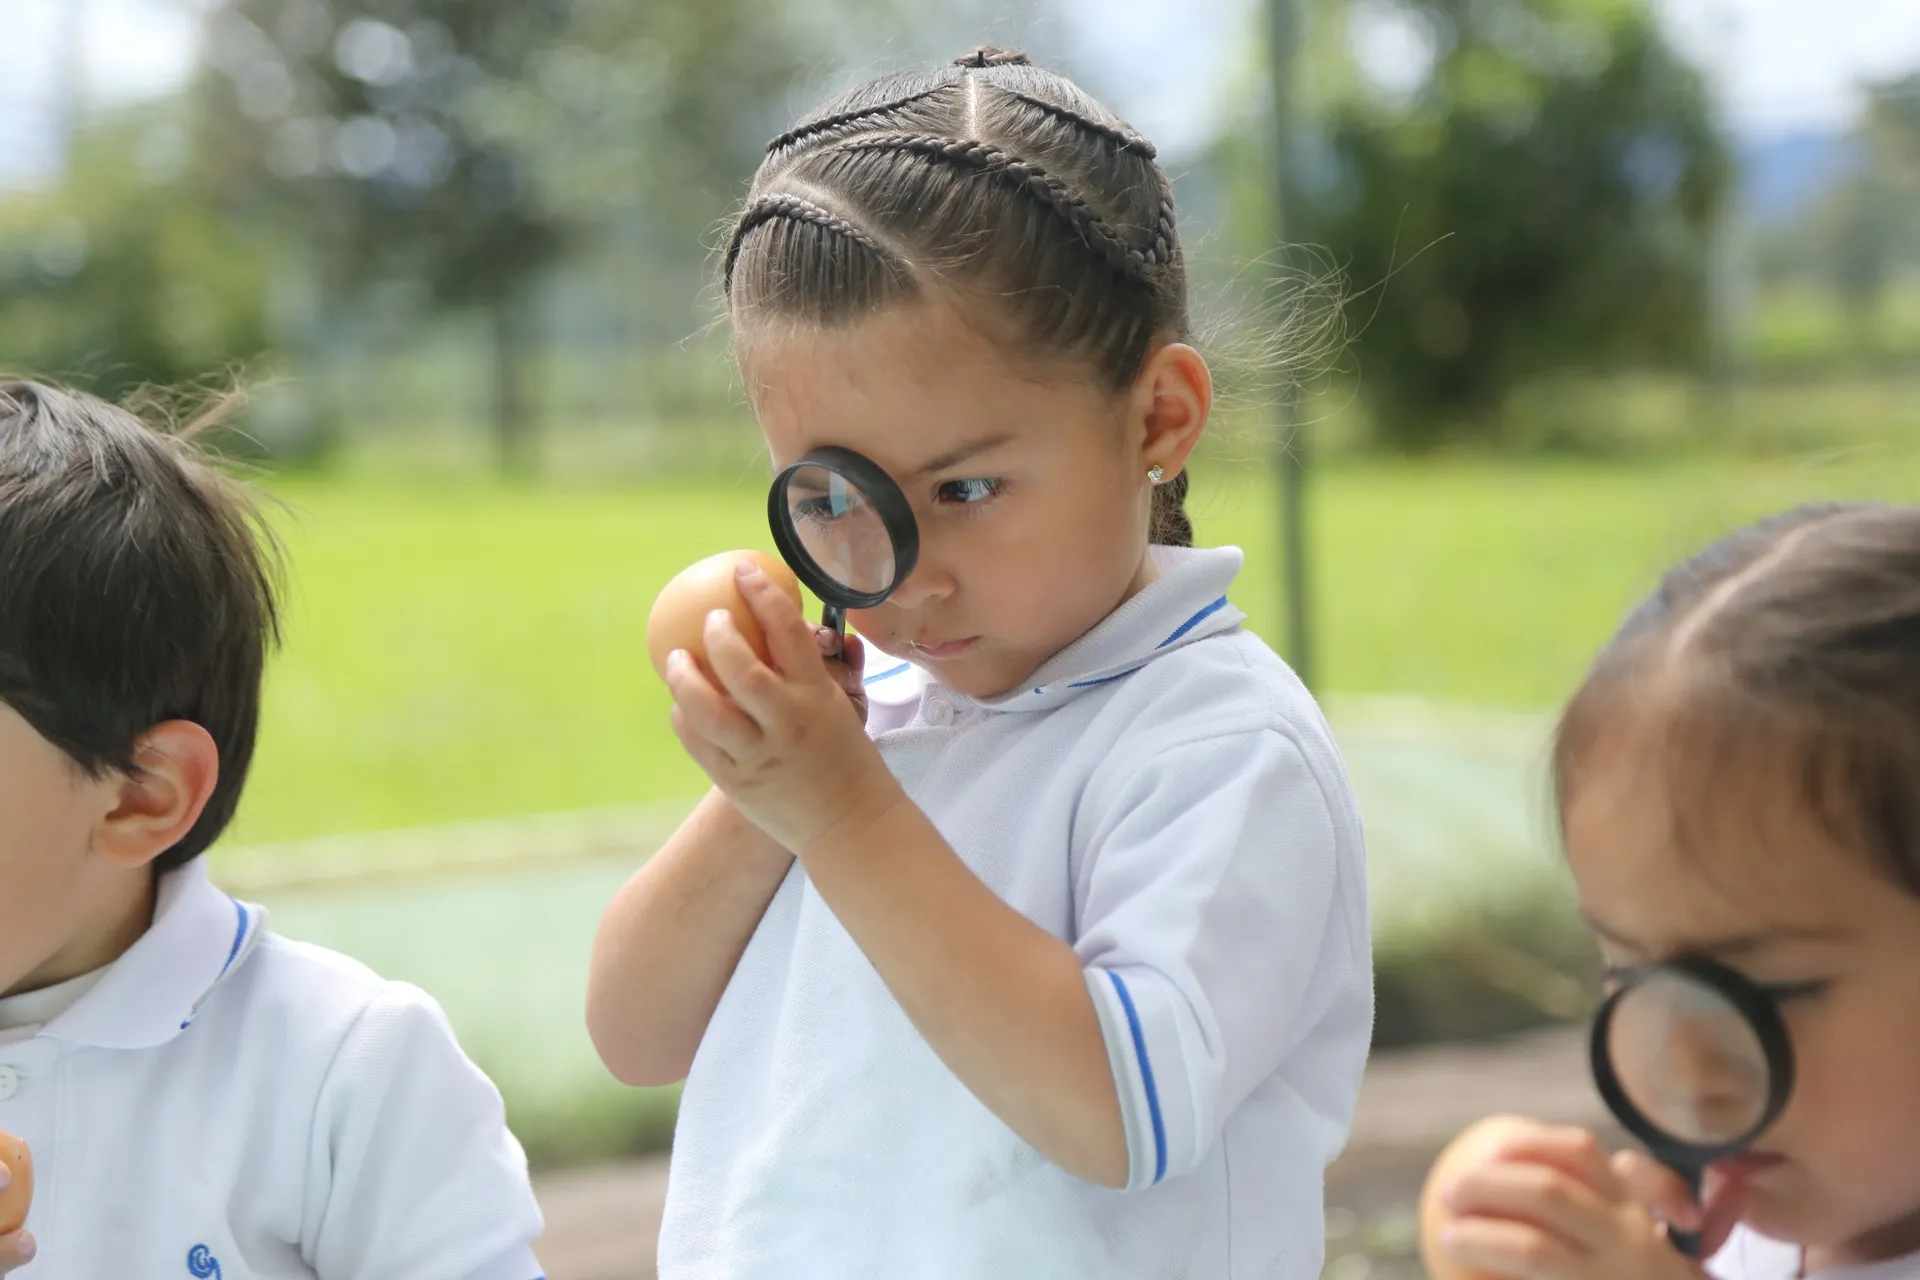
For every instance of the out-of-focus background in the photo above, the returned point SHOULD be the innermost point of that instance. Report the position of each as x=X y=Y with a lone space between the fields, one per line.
x=1609 y=276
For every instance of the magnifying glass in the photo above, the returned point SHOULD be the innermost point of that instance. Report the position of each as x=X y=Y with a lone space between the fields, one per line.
x=845 y=529
x=1694 y=1061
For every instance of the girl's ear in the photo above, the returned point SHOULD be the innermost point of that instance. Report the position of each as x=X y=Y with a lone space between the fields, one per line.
x=1172 y=398
x=175 y=768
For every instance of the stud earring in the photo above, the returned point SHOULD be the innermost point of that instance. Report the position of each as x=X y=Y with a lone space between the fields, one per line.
x=1156 y=475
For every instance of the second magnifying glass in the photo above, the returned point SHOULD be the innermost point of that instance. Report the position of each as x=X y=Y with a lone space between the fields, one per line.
x=845 y=529
x=1694 y=1061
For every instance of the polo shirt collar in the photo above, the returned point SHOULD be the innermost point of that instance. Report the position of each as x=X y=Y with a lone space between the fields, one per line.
x=1186 y=603
x=148 y=996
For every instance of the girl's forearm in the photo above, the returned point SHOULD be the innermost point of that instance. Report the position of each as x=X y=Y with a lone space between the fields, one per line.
x=669 y=942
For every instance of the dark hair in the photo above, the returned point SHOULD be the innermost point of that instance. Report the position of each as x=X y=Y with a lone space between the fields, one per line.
x=1793 y=642
x=988 y=179
x=136 y=587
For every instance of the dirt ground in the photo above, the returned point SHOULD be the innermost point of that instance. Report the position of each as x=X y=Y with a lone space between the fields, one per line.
x=601 y=1223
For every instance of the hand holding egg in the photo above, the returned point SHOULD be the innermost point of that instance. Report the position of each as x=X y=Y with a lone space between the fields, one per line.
x=1512 y=1198
x=1478 y=1144
x=679 y=616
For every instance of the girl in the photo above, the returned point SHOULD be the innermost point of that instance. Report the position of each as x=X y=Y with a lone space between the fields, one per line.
x=1082 y=911
x=1739 y=778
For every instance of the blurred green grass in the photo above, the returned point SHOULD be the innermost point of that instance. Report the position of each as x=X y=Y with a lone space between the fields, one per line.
x=463 y=648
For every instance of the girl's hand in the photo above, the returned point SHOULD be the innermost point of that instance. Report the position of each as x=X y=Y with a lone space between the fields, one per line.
x=1552 y=1206
x=779 y=737
x=849 y=668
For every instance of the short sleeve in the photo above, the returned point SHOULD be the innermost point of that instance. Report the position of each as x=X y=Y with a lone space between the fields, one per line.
x=413 y=1174
x=1209 y=890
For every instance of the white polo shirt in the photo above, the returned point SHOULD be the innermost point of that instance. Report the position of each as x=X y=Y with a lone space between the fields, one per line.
x=1748 y=1255
x=223 y=1103
x=1167 y=798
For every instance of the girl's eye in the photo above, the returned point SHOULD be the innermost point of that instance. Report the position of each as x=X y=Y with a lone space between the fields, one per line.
x=968 y=492
x=1789 y=991
x=821 y=510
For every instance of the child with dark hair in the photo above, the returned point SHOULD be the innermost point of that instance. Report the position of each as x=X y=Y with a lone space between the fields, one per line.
x=1739 y=782
x=202 y=1097
x=1060 y=967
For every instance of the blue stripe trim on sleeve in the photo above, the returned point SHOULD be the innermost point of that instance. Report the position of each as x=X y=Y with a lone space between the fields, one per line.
x=887 y=675
x=1195 y=621
x=1146 y=1077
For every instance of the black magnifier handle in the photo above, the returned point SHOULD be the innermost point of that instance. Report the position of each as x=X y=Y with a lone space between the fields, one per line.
x=834 y=618
x=1687 y=1242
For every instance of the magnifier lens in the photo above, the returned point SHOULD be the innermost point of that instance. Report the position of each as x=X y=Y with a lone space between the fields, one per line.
x=841 y=530
x=1689 y=1061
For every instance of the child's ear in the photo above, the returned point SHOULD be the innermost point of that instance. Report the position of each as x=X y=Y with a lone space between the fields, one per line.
x=1172 y=396
x=175 y=767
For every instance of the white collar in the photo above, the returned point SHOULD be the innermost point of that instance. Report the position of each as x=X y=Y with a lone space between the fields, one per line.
x=1187 y=602
x=148 y=996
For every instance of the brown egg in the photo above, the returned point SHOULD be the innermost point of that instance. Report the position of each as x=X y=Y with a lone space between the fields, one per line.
x=1471 y=1148
x=15 y=1200
x=679 y=616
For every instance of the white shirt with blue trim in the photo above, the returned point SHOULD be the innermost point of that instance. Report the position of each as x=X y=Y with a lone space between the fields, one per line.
x=224 y=1104
x=1166 y=797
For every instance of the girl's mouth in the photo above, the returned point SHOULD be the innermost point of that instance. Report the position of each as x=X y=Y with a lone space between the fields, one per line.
x=944 y=649
x=1748 y=1165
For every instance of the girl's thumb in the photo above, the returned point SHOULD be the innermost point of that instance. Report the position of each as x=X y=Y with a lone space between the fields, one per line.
x=1664 y=1192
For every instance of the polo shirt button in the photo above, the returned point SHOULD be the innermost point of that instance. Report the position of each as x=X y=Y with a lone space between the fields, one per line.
x=939 y=712
x=9 y=1082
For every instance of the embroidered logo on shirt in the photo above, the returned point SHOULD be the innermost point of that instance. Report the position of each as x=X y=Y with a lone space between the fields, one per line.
x=202 y=1264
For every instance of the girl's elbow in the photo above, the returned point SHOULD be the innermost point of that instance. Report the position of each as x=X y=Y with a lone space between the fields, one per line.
x=632 y=1066
x=633 y=1059
x=1101 y=1159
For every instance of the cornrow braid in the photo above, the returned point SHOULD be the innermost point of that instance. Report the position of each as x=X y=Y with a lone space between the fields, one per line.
x=1037 y=182
x=780 y=204
x=1124 y=139
x=840 y=119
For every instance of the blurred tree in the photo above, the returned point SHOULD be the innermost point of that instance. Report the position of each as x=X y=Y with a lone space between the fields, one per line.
x=128 y=272
x=1529 y=185
x=1870 y=226
x=466 y=147
x=349 y=121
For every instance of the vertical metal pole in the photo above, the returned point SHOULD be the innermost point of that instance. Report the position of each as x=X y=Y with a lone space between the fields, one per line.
x=1284 y=39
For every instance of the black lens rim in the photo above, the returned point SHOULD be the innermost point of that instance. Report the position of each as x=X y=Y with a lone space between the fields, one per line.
x=1762 y=1013
x=896 y=516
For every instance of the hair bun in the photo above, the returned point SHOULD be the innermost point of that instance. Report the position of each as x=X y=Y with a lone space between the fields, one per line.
x=987 y=55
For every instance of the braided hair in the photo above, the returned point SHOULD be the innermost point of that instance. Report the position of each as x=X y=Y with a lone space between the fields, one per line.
x=991 y=177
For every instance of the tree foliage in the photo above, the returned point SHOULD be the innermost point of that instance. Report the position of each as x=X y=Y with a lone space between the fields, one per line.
x=1542 y=199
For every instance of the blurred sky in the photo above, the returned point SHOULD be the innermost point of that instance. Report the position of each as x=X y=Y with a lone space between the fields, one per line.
x=1777 y=66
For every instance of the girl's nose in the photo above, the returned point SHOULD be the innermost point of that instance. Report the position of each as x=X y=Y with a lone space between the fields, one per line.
x=929 y=582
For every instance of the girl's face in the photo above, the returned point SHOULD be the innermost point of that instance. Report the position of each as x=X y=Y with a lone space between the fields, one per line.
x=1031 y=495
x=1763 y=887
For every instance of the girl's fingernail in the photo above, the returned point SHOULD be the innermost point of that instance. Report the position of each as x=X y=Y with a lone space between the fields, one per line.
x=716 y=617
x=677 y=658
x=823 y=636
x=27 y=1247
x=745 y=569
x=6 y=1177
